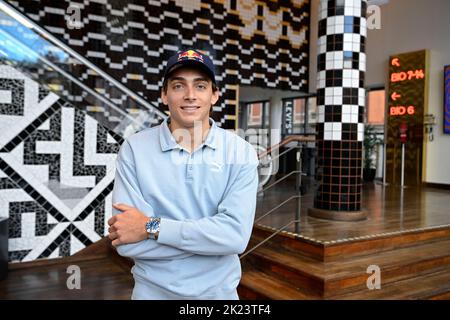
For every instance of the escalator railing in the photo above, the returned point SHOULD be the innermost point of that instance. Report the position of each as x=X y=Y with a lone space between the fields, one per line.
x=294 y=142
x=36 y=52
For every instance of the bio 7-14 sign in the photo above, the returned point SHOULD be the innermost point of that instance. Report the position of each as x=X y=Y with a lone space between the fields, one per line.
x=406 y=83
x=407 y=98
x=407 y=104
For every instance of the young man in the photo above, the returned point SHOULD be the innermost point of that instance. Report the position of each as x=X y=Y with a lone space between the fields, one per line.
x=185 y=193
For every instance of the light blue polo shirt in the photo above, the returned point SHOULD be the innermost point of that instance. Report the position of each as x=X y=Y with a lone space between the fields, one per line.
x=206 y=200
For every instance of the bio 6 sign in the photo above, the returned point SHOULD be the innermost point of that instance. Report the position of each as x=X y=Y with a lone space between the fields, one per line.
x=401 y=110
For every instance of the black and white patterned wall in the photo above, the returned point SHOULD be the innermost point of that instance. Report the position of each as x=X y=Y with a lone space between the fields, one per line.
x=341 y=103
x=259 y=43
x=57 y=160
x=57 y=167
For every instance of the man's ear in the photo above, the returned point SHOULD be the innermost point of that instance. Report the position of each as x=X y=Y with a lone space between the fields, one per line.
x=164 y=97
x=215 y=97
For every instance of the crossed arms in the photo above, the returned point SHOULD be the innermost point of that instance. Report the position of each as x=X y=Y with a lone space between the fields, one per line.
x=226 y=232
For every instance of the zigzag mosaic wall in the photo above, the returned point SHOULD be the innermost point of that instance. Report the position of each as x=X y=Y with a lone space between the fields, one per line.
x=57 y=168
x=260 y=43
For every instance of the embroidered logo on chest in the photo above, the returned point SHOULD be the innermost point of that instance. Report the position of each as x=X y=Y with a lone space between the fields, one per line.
x=216 y=166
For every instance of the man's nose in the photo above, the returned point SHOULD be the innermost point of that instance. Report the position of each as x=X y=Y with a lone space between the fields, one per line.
x=189 y=93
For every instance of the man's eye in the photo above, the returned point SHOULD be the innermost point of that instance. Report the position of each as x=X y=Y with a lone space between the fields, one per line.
x=201 y=86
x=177 y=86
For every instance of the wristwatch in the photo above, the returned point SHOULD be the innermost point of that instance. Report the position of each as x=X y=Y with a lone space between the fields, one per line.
x=152 y=228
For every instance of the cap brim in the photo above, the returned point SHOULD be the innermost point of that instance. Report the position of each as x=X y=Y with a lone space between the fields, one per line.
x=190 y=63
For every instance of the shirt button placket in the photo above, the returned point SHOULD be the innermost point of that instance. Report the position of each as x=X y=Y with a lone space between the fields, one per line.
x=189 y=168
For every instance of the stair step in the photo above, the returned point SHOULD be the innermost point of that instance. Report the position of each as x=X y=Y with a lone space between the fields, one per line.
x=355 y=247
x=258 y=285
x=331 y=278
x=431 y=286
x=285 y=266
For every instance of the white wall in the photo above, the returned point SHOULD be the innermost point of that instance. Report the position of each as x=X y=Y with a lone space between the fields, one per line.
x=408 y=25
x=411 y=25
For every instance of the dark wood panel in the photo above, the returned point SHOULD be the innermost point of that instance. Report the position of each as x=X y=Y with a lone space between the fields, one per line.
x=407 y=235
x=431 y=286
x=104 y=275
x=100 y=279
x=349 y=273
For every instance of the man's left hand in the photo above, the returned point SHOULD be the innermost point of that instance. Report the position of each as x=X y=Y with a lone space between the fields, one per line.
x=127 y=226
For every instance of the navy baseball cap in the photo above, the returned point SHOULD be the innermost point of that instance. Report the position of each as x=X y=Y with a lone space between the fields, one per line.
x=192 y=58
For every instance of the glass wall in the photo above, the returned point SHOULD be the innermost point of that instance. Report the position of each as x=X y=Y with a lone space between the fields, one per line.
x=375 y=119
x=376 y=107
x=257 y=115
x=299 y=115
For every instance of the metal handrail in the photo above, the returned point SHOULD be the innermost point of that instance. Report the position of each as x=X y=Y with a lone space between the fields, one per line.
x=298 y=138
x=268 y=238
x=298 y=196
x=12 y=11
x=284 y=152
x=276 y=207
x=71 y=78
x=281 y=179
x=297 y=187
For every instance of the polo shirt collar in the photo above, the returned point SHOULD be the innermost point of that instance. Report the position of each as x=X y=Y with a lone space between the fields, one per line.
x=168 y=141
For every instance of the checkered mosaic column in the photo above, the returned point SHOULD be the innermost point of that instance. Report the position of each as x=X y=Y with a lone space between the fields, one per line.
x=341 y=101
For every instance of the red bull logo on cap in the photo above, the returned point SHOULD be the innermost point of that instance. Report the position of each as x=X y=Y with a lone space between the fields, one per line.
x=190 y=55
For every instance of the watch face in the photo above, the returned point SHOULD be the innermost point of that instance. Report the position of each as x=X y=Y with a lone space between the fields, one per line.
x=152 y=226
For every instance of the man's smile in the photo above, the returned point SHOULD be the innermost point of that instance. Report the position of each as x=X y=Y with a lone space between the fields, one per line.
x=190 y=108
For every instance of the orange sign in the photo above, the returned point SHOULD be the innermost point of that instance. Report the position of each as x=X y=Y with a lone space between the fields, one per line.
x=406 y=95
x=395 y=62
x=406 y=84
x=408 y=75
x=395 y=96
x=401 y=110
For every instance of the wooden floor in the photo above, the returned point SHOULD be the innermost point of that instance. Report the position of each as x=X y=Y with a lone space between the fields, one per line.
x=104 y=276
x=407 y=235
x=390 y=210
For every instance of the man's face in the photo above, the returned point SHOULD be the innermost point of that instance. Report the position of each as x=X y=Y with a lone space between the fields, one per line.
x=189 y=97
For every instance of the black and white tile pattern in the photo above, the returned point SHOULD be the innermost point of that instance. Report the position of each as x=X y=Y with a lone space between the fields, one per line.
x=57 y=167
x=262 y=43
x=341 y=102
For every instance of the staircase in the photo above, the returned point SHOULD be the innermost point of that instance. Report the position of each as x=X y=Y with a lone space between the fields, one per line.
x=413 y=265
